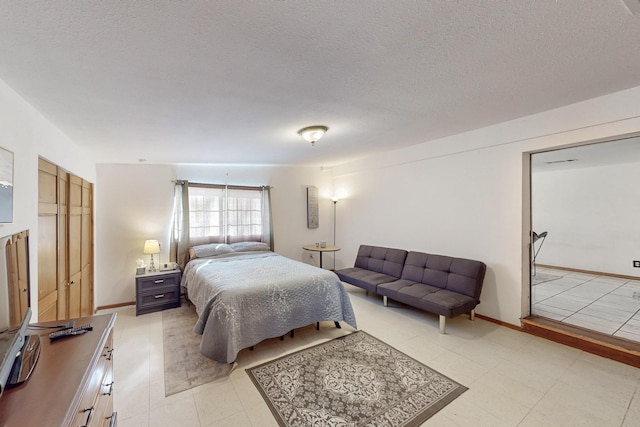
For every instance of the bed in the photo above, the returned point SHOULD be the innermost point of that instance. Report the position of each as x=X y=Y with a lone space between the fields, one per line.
x=244 y=297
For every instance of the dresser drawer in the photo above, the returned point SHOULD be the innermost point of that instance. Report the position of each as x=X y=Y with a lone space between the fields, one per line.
x=97 y=404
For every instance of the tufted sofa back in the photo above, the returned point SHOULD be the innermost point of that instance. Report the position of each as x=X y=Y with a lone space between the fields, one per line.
x=459 y=275
x=381 y=260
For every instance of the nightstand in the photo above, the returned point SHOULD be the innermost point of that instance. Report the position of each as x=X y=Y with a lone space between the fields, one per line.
x=157 y=291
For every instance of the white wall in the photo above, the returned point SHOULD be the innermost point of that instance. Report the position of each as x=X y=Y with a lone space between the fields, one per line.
x=463 y=195
x=591 y=216
x=136 y=204
x=25 y=132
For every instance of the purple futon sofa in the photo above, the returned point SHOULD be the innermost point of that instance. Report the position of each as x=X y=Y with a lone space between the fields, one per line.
x=438 y=284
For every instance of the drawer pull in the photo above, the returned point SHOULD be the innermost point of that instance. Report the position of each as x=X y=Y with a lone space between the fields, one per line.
x=113 y=418
x=110 y=389
x=109 y=354
x=158 y=281
x=158 y=296
x=88 y=420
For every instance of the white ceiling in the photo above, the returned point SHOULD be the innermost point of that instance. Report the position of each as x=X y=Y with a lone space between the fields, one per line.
x=232 y=81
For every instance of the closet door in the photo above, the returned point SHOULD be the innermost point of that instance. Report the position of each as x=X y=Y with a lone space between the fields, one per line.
x=86 y=250
x=47 y=241
x=75 y=248
x=63 y=233
x=65 y=245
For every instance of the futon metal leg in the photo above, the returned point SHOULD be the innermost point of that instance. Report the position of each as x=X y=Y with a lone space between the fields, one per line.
x=291 y=333
x=338 y=325
x=472 y=315
x=442 y=323
x=317 y=326
x=384 y=300
x=251 y=348
x=281 y=337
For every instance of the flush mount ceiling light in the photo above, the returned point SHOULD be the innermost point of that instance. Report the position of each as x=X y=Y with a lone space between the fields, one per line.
x=313 y=133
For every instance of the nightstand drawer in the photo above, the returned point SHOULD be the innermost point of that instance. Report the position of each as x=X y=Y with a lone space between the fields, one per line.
x=166 y=296
x=151 y=283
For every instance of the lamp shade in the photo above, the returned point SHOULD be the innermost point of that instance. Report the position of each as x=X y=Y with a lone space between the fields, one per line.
x=151 y=247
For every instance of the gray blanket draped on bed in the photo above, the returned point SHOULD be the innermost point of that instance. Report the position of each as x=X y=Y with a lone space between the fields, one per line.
x=242 y=299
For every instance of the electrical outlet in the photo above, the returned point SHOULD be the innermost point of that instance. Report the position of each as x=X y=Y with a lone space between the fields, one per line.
x=636 y=264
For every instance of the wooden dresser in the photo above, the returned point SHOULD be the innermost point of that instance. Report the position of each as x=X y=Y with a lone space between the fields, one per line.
x=72 y=382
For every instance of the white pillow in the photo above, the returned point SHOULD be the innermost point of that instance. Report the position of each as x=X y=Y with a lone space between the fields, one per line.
x=209 y=250
x=249 y=246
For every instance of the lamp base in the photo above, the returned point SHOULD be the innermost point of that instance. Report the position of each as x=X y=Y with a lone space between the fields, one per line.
x=152 y=267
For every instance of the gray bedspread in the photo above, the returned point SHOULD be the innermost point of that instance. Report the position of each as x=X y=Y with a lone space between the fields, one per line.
x=244 y=298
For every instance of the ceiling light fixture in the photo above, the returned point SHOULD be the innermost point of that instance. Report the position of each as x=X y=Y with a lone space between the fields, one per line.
x=313 y=133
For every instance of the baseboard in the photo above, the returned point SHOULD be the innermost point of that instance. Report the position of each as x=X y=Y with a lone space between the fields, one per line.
x=618 y=349
x=110 y=306
x=499 y=322
x=595 y=273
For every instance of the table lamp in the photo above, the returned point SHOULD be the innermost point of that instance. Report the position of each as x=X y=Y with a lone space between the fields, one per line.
x=151 y=247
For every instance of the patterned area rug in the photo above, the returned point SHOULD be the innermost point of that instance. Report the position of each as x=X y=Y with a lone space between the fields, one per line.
x=354 y=380
x=184 y=366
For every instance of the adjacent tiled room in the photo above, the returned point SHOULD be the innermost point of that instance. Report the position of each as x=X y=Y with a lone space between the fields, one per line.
x=605 y=304
x=514 y=379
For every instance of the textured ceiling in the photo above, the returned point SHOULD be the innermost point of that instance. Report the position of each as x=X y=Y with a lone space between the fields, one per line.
x=232 y=81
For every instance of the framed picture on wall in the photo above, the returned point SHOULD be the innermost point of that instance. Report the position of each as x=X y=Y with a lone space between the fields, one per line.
x=6 y=186
x=312 y=207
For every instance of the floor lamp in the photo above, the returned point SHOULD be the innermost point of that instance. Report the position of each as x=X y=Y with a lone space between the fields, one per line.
x=335 y=202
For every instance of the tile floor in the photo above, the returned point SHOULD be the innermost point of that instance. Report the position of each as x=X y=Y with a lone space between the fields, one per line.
x=604 y=304
x=514 y=379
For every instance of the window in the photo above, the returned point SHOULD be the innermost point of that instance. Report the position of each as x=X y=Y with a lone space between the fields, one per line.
x=244 y=215
x=207 y=213
x=219 y=214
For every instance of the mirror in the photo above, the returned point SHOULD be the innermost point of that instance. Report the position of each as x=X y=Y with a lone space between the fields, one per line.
x=14 y=292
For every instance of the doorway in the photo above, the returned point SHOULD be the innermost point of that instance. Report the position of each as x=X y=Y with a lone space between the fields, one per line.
x=584 y=209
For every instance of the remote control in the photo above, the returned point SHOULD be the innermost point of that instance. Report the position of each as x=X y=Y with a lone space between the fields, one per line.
x=70 y=332
x=70 y=324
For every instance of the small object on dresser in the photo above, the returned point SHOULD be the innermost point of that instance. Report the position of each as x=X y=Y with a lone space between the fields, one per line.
x=70 y=332
x=141 y=267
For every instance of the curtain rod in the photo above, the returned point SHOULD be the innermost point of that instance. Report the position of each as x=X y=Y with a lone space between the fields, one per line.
x=233 y=187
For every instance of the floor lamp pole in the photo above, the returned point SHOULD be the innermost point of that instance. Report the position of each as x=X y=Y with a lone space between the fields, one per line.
x=335 y=202
x=334 y=222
